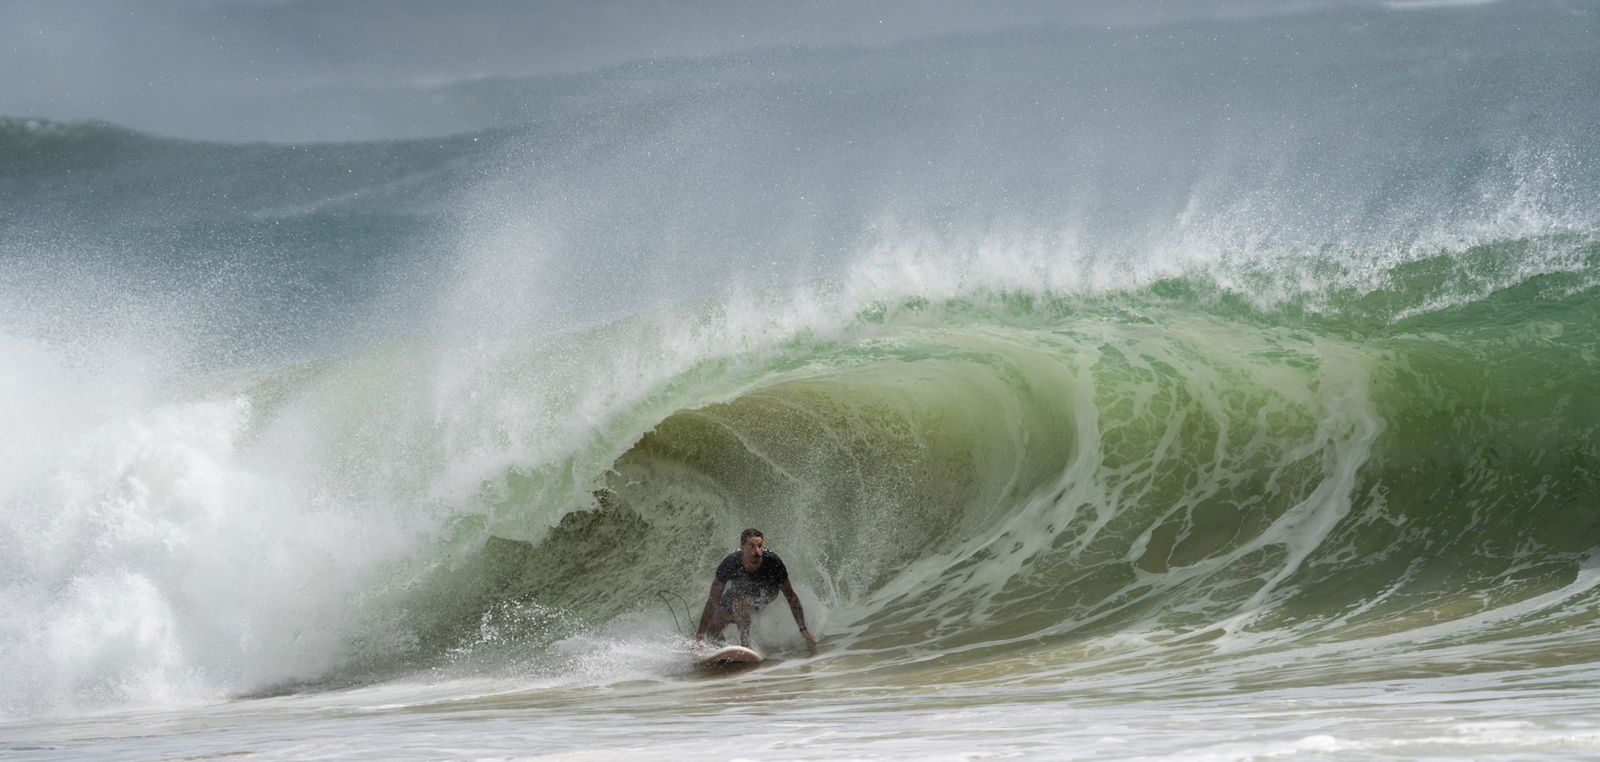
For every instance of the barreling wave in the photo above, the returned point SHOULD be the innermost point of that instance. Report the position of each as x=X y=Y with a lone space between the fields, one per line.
x=1007 y=470
x=964 y=477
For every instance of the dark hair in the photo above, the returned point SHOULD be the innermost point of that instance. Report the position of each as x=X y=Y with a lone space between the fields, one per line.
x=748 y=533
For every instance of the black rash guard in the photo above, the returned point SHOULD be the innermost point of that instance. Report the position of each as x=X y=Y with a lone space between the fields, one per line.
x=762 y=585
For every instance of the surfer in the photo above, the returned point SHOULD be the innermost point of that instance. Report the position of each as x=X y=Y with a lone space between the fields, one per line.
x=746 y=580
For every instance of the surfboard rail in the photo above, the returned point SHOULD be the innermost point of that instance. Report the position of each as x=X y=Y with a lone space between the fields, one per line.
x=725 y=656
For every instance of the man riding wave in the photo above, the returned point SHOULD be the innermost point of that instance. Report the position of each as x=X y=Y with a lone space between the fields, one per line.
x=746 y=580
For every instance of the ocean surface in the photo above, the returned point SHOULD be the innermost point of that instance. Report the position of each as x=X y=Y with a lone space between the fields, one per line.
x=1212 y=389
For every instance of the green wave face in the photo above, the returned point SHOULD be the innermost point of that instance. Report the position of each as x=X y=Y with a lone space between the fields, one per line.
x=1019 y=471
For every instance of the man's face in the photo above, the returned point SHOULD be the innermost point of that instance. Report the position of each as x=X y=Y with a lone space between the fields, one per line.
x=752 y=548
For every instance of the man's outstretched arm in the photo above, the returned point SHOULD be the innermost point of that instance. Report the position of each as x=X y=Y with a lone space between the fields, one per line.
x=799 y=613
x=711 y=604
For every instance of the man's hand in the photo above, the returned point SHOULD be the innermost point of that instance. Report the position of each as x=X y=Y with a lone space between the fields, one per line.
x=798 y=612
x=708 y=614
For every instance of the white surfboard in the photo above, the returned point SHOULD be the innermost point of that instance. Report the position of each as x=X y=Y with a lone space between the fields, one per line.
x=726 y=656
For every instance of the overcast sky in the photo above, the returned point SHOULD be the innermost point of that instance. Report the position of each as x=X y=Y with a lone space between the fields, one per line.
x=226 y=68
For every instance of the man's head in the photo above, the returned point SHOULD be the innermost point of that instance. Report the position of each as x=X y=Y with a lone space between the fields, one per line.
x=751 y=542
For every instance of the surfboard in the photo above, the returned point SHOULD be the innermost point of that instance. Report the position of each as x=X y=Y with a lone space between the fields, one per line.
x=726 y=656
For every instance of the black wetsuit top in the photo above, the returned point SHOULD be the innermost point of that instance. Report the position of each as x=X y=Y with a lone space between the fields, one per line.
x=762 y=585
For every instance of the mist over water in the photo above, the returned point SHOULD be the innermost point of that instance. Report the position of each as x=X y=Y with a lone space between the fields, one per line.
x=1125 y=360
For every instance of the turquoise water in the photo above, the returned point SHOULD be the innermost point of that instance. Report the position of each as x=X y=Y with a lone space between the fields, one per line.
x=1204 y=390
